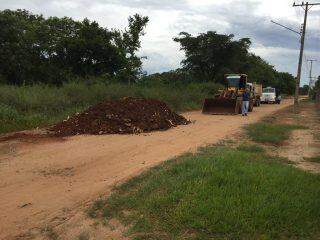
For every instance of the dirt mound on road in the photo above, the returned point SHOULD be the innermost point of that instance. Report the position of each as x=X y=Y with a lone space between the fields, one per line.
x=128 y=115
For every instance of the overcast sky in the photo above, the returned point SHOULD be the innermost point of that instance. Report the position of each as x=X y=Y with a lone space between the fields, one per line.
x=244 y=18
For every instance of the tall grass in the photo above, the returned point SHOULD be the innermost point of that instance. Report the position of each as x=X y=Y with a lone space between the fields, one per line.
x=31 y=106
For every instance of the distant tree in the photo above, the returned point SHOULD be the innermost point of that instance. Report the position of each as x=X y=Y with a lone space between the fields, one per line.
x=285 y=82
x=304 y=90
x=316 y=89
x=210 y=54
x=259 y=70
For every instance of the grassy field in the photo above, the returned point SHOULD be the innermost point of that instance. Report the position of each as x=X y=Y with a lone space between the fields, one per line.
x=219 y=193
x=32 y=106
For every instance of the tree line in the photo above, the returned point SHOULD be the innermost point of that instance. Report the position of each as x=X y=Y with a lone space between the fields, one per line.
x=208 y=56
x=34 y=49
x=53 y=50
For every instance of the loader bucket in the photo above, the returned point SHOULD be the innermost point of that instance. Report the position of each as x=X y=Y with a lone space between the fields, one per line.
x=220 y=106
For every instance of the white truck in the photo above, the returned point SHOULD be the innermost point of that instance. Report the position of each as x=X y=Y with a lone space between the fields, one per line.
x=269 y=95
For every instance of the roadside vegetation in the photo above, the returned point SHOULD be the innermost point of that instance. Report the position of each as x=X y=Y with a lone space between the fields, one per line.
x=28 y=107
x=222 y=193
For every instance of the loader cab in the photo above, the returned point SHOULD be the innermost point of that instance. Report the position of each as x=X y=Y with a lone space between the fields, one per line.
x=236 y=81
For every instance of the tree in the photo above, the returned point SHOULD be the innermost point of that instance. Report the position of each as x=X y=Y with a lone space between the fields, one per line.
x=34 y=49
x=285 y=82
x=315 y=90
x=19 y=51
x=209 y=54
x=304 y=90
x=129 y=42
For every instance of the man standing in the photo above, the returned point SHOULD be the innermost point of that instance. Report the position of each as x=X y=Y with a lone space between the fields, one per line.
x=245 y=102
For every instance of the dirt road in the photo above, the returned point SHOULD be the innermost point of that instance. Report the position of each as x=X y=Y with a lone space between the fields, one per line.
x=48 y=182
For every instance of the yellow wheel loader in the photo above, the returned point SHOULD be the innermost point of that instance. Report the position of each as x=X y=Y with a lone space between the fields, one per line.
x=229 y=101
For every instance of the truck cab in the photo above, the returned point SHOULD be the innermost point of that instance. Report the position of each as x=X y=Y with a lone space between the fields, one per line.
x=268 y=95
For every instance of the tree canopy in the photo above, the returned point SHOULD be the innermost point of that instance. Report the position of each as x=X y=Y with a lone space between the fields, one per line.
x=210 y=55
x=34 y=49
x=316 y=89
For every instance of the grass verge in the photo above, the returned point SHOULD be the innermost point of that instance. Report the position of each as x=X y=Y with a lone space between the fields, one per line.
x=313 y=159
x=218 y=193
x=270 y=133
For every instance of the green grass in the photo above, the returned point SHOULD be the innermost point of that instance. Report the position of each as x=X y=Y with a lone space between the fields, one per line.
x=219 y=193
x=28 y=107
x=251 y=148
x=270 y=133
x=313 y=159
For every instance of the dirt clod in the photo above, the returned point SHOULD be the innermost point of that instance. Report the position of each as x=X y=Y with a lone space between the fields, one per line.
x=128 y=115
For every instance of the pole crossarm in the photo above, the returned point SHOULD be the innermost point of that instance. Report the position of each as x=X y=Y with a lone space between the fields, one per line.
x=305 y=4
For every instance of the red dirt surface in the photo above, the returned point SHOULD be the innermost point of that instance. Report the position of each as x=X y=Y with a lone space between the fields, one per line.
x=46 y=187
x=128 y=115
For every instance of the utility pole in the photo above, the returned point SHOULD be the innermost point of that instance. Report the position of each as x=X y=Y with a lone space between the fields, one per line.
x=306 y=6
x=310 y=74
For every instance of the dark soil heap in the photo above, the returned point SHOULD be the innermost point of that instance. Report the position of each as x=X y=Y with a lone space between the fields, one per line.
x=128 y=115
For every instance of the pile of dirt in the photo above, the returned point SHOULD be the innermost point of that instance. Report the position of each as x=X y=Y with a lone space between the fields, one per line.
x=128 y=115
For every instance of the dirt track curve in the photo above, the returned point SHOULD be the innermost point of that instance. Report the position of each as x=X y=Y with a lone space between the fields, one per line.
x=49 y=181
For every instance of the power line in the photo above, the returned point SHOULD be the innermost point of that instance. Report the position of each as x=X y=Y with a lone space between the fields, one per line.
x=290 y=29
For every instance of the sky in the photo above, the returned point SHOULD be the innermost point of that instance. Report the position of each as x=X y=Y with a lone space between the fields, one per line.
x=243 y=18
